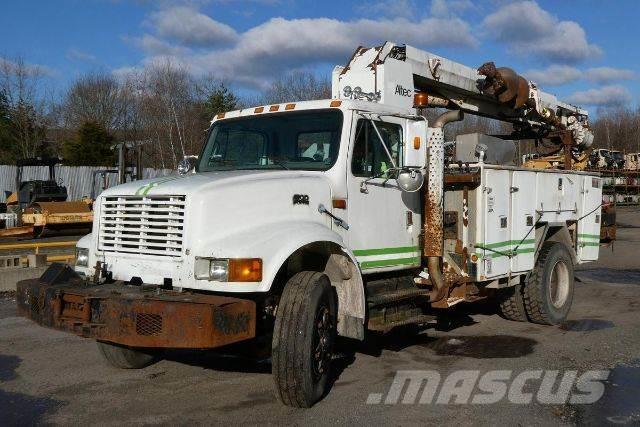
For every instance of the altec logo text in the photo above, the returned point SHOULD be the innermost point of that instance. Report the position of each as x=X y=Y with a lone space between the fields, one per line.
x=402 y=91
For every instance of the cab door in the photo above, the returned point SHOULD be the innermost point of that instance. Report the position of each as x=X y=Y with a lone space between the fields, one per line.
x=384 y=221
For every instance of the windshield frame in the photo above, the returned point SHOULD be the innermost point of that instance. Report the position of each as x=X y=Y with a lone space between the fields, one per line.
x=277 y=166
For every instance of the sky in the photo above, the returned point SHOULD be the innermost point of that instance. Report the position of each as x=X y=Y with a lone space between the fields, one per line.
x=586 y=52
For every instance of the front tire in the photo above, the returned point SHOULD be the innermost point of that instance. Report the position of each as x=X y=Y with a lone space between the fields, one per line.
x=548 y=292
x=125 y=357
x=303 y=339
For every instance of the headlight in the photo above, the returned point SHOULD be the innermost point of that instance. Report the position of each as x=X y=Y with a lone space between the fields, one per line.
x=82 y=257
x=229 y=270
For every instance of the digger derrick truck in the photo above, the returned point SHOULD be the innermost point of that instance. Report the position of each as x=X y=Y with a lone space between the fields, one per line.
x=307 y=220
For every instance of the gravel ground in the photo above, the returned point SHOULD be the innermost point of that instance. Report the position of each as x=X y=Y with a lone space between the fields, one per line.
x=51 y=377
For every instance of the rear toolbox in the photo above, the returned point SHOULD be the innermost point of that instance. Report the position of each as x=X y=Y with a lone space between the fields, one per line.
x=134 y=316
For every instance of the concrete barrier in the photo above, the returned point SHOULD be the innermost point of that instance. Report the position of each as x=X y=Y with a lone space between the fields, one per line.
x=10 y=276
x=10 y=262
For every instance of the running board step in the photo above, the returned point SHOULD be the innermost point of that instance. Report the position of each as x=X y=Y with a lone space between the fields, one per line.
x=415 y=320
x=397 y=295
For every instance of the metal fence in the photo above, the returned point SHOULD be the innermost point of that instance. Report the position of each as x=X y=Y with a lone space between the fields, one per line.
x=77 y=179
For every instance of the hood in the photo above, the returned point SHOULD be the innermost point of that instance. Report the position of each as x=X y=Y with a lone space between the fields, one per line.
x=196 y=183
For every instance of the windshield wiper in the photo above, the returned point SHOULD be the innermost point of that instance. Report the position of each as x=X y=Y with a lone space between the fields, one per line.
x=281 y=164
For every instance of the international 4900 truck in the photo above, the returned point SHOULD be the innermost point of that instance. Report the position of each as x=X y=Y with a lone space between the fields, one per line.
x=303 y=221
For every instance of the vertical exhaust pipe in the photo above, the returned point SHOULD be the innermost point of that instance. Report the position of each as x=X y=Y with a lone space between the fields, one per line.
x=434 y=203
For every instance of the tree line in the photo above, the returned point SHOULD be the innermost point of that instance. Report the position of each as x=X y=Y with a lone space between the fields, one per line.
x=162 y=103
x=165 y=104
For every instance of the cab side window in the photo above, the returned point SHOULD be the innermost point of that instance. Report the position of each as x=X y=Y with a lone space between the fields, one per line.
x=369 y=157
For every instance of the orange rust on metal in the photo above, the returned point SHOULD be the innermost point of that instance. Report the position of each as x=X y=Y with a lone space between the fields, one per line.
x=462 y=178
x=504 y=84
x=131 y=316
x=433 y=233
x=359 y=50
x=463 y=291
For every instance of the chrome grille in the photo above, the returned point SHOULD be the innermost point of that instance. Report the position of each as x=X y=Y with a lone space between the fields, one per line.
x=152 y=225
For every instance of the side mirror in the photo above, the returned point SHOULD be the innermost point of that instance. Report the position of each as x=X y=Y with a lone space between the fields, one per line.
x=187 y=164
x=410 y=180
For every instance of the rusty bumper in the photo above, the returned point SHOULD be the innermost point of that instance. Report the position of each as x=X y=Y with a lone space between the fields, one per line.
x=137 y=317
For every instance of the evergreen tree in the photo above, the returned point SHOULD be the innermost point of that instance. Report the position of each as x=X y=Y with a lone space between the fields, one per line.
x=220 y=99
x=90 y=147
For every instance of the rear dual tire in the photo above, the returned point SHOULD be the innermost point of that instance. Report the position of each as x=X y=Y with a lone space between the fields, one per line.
x=547 y=294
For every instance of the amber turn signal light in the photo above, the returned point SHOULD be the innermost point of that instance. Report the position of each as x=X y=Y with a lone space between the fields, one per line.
x=339 y=203
x=245 y=270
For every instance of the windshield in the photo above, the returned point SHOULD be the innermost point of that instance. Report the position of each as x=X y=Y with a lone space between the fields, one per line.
x=616 y=155
x=306 y=140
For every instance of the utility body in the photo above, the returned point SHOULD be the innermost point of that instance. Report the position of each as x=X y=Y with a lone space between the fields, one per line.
x=306 y=220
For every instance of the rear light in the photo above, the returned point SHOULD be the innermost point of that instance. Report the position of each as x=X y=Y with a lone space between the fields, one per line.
x=335 y=103
x=258 y=110
x=274 y=108
x=290 y=106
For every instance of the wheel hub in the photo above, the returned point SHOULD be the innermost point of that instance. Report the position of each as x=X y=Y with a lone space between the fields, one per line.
x=322 y=341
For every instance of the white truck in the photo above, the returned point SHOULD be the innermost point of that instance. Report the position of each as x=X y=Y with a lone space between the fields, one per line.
x=307 y=220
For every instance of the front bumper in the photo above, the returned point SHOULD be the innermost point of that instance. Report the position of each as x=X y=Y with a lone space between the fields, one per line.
x=135 y=316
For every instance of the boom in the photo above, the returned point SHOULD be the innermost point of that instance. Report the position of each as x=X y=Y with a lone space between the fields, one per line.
x=407 y=77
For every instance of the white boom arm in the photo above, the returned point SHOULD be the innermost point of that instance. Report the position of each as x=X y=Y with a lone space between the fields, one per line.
x=406 y=77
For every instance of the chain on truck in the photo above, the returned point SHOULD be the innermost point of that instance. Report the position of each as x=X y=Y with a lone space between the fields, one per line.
x=303 y=221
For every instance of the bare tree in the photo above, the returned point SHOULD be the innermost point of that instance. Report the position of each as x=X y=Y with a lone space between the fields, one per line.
x=27 y=109
x=297 y=86
x=95 y=97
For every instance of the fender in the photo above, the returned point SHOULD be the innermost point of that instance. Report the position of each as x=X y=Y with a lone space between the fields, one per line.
x=274 y=243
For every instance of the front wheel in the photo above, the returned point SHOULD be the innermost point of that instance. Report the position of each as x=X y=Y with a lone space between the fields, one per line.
x=548 y=291
x=303 y=338
x=125 y=357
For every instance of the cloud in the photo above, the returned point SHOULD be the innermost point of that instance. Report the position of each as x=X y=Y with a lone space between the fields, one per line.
x=387 y=8
x=555 y=75
x=154 y=46
x=526 y=28
x=80 y=55
x=189 y=27
x=278 y=45
x=606 y=96
x=608 y=74
x=447 y=8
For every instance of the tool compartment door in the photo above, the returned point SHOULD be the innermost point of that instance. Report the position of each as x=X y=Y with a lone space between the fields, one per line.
x=523 y=218
x=497 y=208
x=589 y=225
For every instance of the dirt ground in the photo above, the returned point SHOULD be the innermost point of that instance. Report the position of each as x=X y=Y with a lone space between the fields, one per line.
x=51 y=377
